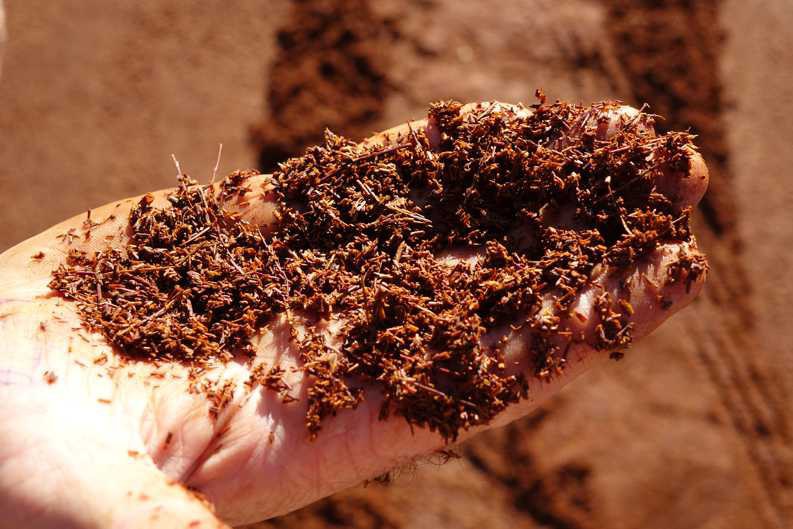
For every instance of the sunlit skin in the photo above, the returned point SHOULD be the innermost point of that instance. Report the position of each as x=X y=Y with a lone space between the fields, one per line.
x=89 y=441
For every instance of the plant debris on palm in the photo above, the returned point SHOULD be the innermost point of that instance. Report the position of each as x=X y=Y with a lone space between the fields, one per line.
x=539 y=196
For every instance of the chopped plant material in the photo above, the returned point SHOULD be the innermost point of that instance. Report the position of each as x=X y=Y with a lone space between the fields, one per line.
x=187 y=285
x=537 y=197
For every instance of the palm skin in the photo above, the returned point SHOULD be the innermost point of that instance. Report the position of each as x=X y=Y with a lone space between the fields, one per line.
x=89 y=441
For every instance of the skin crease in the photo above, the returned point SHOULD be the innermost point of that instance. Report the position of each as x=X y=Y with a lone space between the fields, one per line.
x=88 y=442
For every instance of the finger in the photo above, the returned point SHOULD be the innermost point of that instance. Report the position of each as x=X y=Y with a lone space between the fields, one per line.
x=683 y=183
x=62 y=468
x=640 y=300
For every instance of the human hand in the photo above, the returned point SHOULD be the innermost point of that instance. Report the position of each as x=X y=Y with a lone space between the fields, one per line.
x=88 y=441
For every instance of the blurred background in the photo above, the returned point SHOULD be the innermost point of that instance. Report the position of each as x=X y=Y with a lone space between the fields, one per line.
x=691 y=430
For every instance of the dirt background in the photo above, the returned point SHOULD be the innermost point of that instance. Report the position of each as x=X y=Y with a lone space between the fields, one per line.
x=691 y=430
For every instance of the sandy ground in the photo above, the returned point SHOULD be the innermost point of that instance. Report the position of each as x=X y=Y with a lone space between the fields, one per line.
x=97 y=95
x=691 y=430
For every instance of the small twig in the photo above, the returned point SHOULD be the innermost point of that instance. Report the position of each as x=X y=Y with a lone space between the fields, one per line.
x=217 y=164
x=178 y=167
x=366 y=156
x=620 y=188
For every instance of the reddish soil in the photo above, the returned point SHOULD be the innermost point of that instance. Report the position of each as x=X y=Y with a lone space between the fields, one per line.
x=329 y=72
x=691 y=429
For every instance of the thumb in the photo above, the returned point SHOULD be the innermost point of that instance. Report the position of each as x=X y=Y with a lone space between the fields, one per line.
x=61 y=468
x=142 y=496
x=133 y=494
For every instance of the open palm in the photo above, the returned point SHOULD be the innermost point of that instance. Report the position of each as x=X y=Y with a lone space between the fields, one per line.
x=89 y=441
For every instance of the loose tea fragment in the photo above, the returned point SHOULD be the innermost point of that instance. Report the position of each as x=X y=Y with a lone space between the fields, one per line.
x=532 y=199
